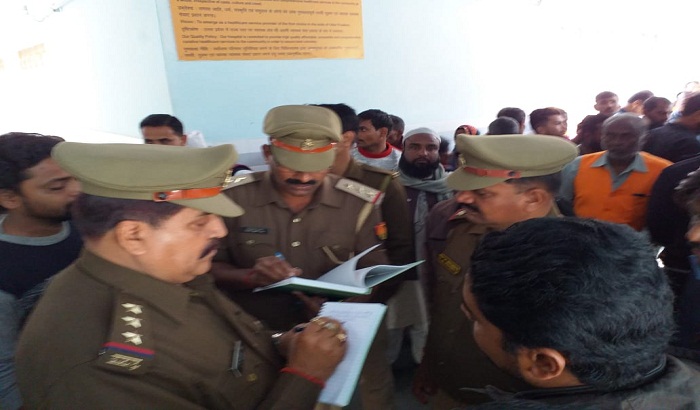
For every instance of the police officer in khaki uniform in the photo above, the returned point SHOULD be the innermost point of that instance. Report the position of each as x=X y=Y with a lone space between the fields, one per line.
x=136 y=322
x=301 y=221
x=505 y=179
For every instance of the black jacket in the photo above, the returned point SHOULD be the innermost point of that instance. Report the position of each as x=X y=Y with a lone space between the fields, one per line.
x=674 y=385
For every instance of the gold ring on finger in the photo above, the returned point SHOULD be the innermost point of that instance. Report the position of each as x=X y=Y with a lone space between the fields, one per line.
x=331 y=326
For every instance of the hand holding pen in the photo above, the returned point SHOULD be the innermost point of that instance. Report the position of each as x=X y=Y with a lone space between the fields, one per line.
x=271 y=269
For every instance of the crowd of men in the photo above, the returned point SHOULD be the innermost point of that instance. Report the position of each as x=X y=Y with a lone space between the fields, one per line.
x=128 y=270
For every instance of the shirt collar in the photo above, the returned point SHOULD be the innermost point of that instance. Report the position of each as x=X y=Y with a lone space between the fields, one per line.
x=169 y=298
x=34 y=240
x=636 y=165
x=554 y=211
x=548 y=393
x=385 y=153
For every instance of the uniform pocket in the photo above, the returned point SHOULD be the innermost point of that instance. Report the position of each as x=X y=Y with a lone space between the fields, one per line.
x=251 y=246
x=334 y=248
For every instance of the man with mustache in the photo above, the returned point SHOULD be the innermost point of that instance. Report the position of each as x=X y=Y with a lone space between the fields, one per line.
x=372 y=146
x=423 y=177
x=36 y=239
x=504 y=179
x=301 y=221
x=163 y=129
x=136 y=322
x=614 y=185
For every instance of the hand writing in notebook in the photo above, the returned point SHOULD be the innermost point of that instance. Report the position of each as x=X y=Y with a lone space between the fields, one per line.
x=271 y=269
x=318 y=348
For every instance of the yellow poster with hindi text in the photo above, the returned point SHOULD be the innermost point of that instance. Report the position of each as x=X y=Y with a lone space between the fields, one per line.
x=267 y=29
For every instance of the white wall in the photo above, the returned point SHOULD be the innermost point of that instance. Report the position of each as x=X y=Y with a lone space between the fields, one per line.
x=437 y=64
x=103 y=69
x=442 y=64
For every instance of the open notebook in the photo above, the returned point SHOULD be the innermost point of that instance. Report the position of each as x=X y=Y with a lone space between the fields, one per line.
x=343 y=280
x=360 y=321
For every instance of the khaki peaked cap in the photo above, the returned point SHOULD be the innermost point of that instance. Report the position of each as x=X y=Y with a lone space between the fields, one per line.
x=491 y=159
x=191 y=177
x=303 y=137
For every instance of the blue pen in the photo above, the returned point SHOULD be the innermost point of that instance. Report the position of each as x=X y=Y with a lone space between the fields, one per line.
x=281 y=257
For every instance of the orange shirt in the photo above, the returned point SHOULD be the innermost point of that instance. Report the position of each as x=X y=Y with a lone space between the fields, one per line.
x=594 y=196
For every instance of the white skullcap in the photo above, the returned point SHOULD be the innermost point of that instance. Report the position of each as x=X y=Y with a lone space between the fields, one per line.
x=422 y=130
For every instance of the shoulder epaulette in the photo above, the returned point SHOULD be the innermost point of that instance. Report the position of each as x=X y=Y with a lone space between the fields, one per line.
x=129 y=348
x=358 y=189
x=238 y=180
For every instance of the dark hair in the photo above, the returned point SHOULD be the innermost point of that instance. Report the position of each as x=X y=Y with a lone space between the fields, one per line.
x=379 y=118
x=653 y=102
x=468 y=129
x=688 y=192
x=589 y=126
x=541 y=115
x=551 y=183
x=444 y=146
x=503 y=126
x=397 y=123
x=605 y=95
x=691 y=104
x=20 y=151
x=163 y=120
x=347 y=115
x=640 y=95
x=591 y=290
x=513 y=112
x=94 y=216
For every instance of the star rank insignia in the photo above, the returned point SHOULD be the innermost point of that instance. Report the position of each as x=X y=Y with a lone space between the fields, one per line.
x=129 y=348
x=132 y=308
x=132 y=321
x=132 y=337
x=360 y=190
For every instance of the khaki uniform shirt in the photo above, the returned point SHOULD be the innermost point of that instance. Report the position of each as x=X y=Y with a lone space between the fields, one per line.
x=104 y=336
x=394 y=211
x=453 y=358
x=315 y=240
x=399 y=243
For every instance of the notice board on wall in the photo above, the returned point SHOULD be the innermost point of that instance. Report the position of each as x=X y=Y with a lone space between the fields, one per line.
x=267 y=29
